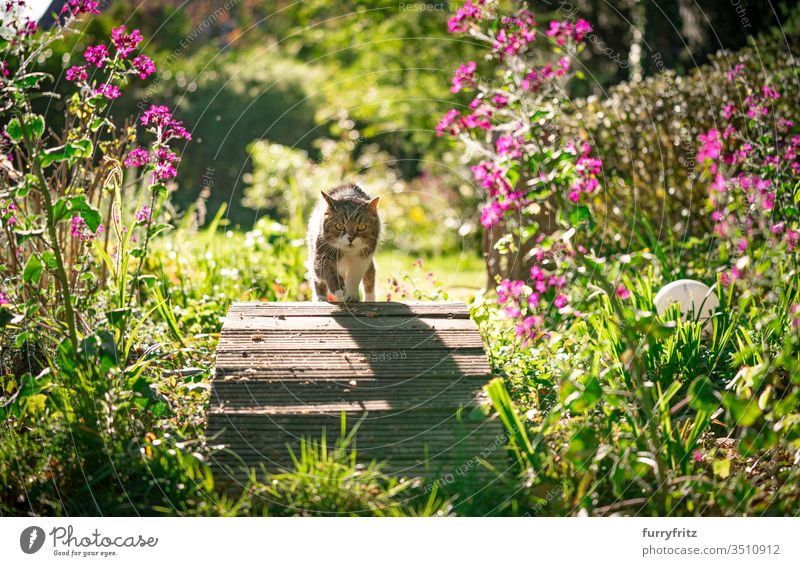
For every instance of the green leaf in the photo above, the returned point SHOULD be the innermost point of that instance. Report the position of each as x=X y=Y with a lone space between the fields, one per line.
x=67 y=152
x=49 y=259
x=702 y=395
x=579 y=215
x=30 y=80
x=722 y=468
x=33 y=123
x=14 y=130
x=745 y=412
x=33 y=270
x=66 y=207
x=117 y=316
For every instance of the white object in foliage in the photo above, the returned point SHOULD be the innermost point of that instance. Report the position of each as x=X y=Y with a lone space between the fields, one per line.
x=696 y=299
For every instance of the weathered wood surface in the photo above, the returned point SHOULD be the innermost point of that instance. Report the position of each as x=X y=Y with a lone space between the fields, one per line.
x=411 y=375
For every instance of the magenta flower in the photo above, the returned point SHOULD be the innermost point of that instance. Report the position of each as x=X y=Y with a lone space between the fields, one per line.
x=97 y=55
x=623 y=292
x=161 y=122
x=137 y=158
x=710 y=146
x=144 y=66
x=735 y=72
x=500 y=100
x=78 y=7
x=448 y=123
x=125 y=42
x=491 y=214
x=77 y=73
x=469 y=11
x=4 y=300
x=110 y=91
x=697 y=455
x=560 y=301
x=508 y=146
x=79 y=230
x=463 y=77
x=142 y=215
x=165 y=165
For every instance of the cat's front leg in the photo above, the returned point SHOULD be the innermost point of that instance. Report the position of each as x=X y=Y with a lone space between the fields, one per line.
x=329 y=273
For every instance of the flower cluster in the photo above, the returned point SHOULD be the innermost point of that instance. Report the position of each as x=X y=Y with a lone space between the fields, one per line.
x=586 y=171
x=8 y=210
x=80 y=231
x=464 y=75
x=470 y=11
x=527 y=301
x=118 y=64
x=125 y=43
x=159 y=120
x=515 y=33
x=142 y=215
x=78 y=7
x=751 y=190
x=566 y=30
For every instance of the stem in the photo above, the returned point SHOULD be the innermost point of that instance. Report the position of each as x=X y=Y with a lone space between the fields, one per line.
x=66 y=297
x=146 y=243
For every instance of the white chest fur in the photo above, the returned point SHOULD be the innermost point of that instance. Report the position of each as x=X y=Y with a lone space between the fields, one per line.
x=352 y=269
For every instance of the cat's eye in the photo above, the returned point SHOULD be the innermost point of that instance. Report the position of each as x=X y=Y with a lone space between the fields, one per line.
x=339 y=226
x=361 y=227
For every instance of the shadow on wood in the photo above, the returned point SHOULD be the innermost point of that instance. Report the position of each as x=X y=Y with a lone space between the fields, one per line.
x=411 y=375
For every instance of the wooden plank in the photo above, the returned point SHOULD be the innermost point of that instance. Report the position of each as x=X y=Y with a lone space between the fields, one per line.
x=355 y=340
x=324 y=364
x=411 y=375
x=411 y=308
x=275 y=394
x=347 y=323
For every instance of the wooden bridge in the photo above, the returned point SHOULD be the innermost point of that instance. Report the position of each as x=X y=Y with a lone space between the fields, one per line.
x=410 y=373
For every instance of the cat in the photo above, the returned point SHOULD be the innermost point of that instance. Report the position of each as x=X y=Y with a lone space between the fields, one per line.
x=343 y=234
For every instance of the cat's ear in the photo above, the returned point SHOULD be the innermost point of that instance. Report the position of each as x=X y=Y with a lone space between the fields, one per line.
x=373 y=204
x=327 y=198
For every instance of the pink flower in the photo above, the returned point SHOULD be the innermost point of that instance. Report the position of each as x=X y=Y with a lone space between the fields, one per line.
x=560 y=301
x=448 y=123
x=137 y=158
x=160 y=121
x=500 y=100
x=623 y=292
x=124 y=42
x=79 y=230
x=733 y=73
x=4 y=300
x=464 y=76
x=165 y=165
x=78 y=7
x=469 y=10
x=697 y=455
x=77 y=73
x=491 y=214
x=508 y=146
x=142 y=215
x=110 y=91
x=96 y=55
x=144 y=66
x=710 y=146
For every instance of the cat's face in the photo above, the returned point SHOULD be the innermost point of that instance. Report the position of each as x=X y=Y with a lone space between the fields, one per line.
x=351 y=225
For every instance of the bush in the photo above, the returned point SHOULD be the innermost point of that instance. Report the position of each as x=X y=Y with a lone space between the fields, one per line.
x=645 y=134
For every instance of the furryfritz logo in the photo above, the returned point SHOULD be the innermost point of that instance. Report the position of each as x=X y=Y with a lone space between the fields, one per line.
x=31 y=540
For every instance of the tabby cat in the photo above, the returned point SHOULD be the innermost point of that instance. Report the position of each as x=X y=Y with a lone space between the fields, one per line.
x=343 y=233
